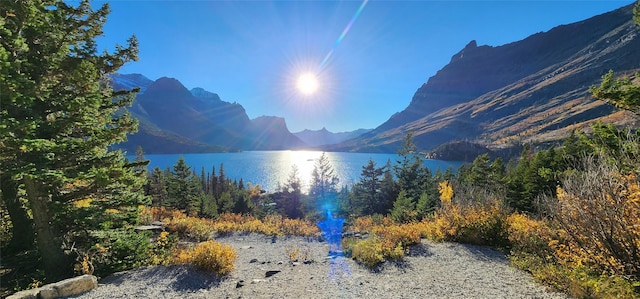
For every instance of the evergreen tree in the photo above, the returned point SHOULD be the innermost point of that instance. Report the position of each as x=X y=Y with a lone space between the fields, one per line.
x=290 y=204
x=225 y=203
x=480 y=171
x=415 y=179
x=140 y=162
x=388 y=190
x=368 y=190
x=157 y=188
x=404 y=209
x=241 y=184
x=58 y=120
x=242 y=203
x=413 y=176
x=222 y=182
x=426 y=204
x=324 y=184
x=213 y=184
x=184 y=188
x=623 y=92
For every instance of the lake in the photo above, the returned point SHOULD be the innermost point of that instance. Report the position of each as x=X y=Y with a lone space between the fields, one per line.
x=268 y=168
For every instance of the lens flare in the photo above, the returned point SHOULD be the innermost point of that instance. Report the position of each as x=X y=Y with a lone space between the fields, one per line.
x=332 y=231
x=307 y=83
x=344 y=33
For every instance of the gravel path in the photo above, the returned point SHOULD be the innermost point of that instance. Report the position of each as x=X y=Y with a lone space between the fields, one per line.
x=431 y=270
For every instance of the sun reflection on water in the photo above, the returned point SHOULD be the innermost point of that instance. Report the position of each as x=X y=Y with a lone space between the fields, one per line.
x=304 y=161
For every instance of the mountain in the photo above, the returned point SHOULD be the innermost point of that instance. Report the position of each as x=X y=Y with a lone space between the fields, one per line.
x=129 y=81
x=324 y=137
x=268 y=132
x=530 y=91
x=174 y=119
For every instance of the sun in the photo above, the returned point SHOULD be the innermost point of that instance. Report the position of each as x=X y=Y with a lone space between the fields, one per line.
x=307 y=83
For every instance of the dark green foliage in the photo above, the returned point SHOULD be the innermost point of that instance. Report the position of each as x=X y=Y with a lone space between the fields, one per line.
x=58 y=121
x=126 y=249
x=367 y=192
x=427 y=204
x=157 y=188
x=622 y=93
x=411 y=172
x=206 y=195
x=184 y=188
x=389 y=189
x=242 y=202
x=404 y=209
x=289 y=200
x=415 y=179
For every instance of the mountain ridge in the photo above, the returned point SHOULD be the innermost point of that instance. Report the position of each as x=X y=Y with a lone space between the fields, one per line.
x=325 y=137
x=530 y=91
x=174 y=119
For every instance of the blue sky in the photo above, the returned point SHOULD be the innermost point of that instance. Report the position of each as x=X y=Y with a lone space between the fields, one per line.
x=252 y=52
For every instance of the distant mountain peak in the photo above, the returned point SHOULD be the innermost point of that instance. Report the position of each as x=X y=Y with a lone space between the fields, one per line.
x=202 y=93
x=325 y=137
x=129 y=81
x=166 y=83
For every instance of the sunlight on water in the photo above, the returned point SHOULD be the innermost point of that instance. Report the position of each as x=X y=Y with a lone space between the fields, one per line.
x=304 y=160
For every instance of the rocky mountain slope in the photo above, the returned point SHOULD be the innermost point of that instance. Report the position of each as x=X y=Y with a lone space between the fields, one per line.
x=174 y=119
x=530 y=91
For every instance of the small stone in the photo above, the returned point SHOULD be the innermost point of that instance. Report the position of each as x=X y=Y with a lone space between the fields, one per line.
x=295 y=264
x=240 y=284
x=246 y=247
x=253 y=261
x=271 y=273
x=257 y=281
x=280 y=262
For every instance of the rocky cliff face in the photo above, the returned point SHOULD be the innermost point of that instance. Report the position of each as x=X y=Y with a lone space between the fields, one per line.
x=176 y=120
x=271 y=133
x=533 y=90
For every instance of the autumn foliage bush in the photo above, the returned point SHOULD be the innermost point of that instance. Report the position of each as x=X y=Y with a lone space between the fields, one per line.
x=209 y=256
x=387 y=240
x=480 y=222
x=201 y=229
x=598 y=213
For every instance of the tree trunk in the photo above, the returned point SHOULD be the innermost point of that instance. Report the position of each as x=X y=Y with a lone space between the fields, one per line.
x=55 y=262
x=22 y=235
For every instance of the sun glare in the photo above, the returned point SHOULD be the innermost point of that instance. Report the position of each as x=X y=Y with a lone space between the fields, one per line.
x=307 y=83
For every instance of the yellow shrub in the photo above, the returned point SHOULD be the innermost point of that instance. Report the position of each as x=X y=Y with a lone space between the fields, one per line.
x=368 y=252
x=599 y=214
x=392 y=236
x=298 y=252
x=297 y=227
x=197 y=228
x=367 y=223
x=234 y=218
x=528 y=235
x=386 y=242
x=482 y=224
x=446 y=192
x=209 y=256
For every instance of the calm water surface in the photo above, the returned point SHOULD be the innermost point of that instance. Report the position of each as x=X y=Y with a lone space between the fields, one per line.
x=268 y=168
